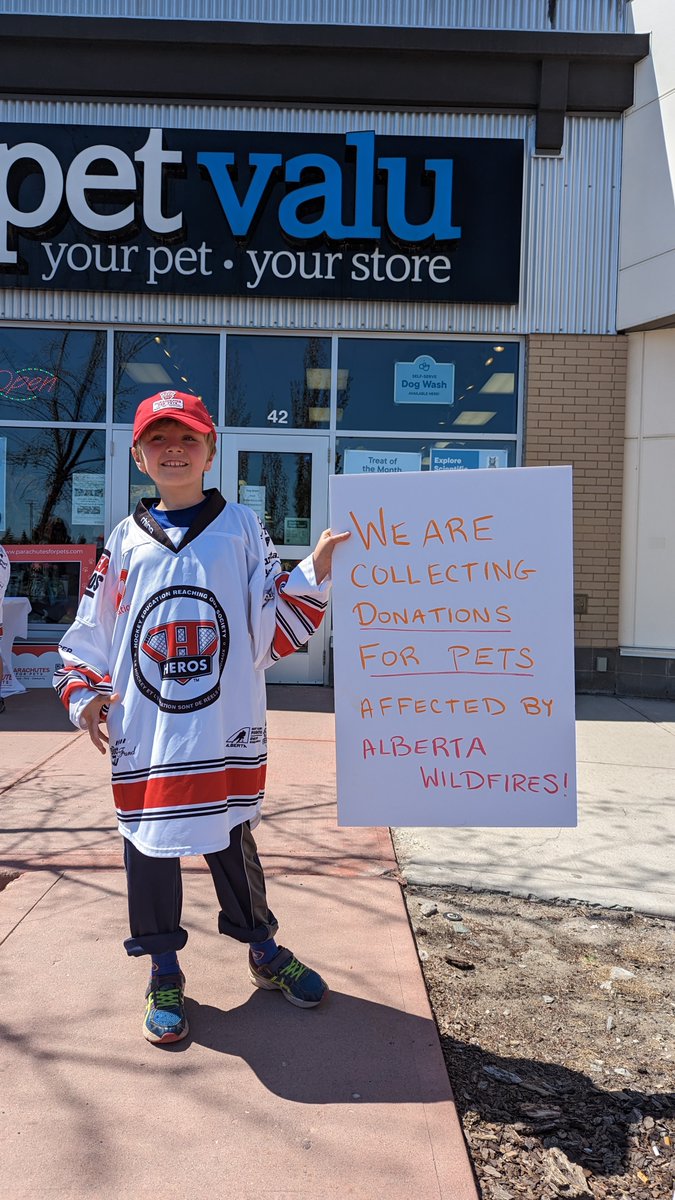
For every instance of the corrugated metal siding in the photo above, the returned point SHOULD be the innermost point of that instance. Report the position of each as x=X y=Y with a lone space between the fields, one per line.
x=596 y=16
x=570 y=230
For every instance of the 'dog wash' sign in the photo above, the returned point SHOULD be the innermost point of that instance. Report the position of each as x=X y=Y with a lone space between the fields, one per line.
x=453 y=634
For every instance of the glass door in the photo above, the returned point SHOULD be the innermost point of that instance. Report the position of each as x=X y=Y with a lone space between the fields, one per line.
x=284 y=479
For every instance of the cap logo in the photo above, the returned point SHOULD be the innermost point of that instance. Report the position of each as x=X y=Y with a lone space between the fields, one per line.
x=168 y=400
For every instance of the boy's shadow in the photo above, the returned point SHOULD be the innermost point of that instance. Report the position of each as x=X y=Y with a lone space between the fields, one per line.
x=353 y=1049
x=327 y=1054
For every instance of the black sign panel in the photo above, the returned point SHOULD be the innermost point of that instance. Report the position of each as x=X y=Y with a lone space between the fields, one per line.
x=250 y=214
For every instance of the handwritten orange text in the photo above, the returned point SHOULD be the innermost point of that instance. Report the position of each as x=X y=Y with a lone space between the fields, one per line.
x=422 y=705
x=436 y=747
x=455 y=529
x=370 y=614
x=472 y=781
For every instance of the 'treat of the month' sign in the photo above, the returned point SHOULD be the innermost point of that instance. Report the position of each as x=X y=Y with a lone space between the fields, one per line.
x=260 y=214
x=453 y=644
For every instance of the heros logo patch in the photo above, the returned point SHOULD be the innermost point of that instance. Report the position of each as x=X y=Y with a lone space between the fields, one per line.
x=183 y=649
x=178 y=660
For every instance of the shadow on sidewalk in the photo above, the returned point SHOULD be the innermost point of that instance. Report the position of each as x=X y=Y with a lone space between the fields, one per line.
x=35 y=711
x=346 y=1050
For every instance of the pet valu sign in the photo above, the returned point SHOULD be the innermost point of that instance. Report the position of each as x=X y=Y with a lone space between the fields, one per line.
x=274 y=214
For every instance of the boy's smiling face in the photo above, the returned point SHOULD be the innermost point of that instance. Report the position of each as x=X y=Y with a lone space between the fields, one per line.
x=175 y=457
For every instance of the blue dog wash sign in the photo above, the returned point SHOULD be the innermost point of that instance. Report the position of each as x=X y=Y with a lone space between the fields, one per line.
x=424 y=381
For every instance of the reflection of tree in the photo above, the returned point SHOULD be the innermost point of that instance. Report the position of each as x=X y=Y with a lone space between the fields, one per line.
x=303 y=484
x=128 y=348
x=74 y=365
x=315 y=357
x=55 y=456
x=273 y=476
x=237 y=410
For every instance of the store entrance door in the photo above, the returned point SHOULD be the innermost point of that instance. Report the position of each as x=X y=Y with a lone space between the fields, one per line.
x=284 y=479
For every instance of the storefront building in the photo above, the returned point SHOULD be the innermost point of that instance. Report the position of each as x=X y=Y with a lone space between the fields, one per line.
x=372 y=236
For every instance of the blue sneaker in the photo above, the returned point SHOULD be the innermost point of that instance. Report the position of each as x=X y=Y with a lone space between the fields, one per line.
x=165 y=1019
x=295 y=981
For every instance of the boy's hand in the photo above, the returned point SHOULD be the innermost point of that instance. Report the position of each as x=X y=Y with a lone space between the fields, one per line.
x=91 y=715
x=323 y=552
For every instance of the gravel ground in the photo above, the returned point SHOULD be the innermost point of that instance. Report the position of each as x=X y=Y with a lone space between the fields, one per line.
x=557 y=1022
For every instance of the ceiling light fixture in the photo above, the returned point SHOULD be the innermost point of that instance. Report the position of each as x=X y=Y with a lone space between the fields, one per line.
x=474 y=418
x=501 y=383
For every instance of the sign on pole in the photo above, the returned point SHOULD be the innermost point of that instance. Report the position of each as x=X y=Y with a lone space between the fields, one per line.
x=453 y=639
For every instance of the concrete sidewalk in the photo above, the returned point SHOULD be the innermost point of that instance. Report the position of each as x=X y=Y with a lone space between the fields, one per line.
x=348 y=1100
x=623 y=849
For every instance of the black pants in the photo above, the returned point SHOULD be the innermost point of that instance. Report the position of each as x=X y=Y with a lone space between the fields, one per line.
x=155 y=892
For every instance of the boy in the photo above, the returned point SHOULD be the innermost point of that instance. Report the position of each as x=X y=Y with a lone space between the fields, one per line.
x=186 y=608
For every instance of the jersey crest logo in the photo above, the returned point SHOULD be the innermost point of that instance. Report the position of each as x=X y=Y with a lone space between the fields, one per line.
x=180 y=641
x=183 y=650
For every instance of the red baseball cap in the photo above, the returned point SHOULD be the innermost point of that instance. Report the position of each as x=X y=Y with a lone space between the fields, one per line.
x=173 y=406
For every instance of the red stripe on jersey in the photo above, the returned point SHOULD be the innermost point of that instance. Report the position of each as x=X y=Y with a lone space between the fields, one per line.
x=313 y=614
x=73 y=685
x=282 y=645
x=177 y=791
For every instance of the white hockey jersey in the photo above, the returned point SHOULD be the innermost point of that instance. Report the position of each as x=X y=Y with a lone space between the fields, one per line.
x=184 y=634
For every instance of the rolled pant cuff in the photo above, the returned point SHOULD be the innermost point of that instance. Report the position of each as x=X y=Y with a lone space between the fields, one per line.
x=156 y=943
x=260 y=934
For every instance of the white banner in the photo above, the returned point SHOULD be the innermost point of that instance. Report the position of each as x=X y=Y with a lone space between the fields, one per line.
x=453 y=637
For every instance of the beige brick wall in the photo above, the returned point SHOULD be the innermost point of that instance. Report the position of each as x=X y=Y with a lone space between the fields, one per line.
x=575 y=411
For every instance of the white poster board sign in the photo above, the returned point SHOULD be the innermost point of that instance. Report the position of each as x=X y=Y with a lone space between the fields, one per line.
x=453 y=639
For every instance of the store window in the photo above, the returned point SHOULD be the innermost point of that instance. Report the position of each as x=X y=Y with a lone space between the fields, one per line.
x=278 y=486
x=52 y=375
x=148 y=361
x=381 y=456
x=454 y=387
x=277 y=382
x=52 y=509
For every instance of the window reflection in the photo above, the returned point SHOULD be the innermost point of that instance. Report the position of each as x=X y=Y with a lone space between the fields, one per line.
x=382 y=455
x=278 y=488
x=53 y=589
x=149 y=361
x=277 y=382
x=54 y=486
x=52 y=375
x=484 y=385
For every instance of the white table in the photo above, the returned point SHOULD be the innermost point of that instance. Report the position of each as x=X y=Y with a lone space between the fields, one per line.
x=15 y=610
